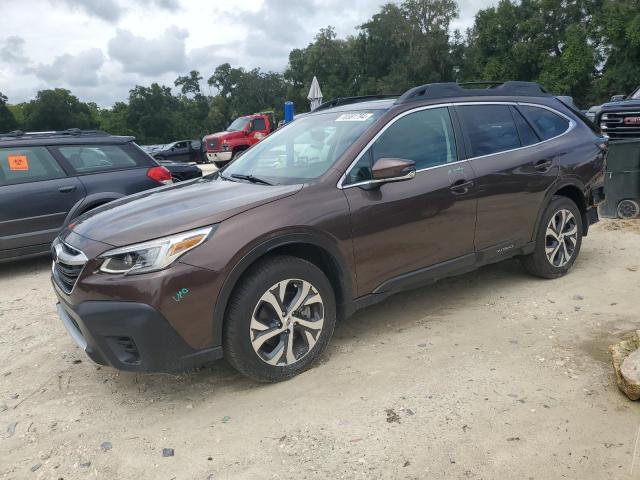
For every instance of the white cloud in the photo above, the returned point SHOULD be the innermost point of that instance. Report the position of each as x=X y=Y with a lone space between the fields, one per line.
x=79 y=70
x=108 y=10
x=12 y=50
x=112 y=10
x=166 y=53
x=100 y=49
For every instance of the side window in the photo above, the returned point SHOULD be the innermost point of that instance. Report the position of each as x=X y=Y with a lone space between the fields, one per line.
x=426 y=137
x=527 y=135
x=259 y=125
x=489 y=128
x=180 y=145
x=23 y=165
x=547 y=123
x=97 y=158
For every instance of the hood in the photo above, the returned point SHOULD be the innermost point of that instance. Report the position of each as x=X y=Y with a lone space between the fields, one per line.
x=174 y=209
x=225 y=135
x=623 y=104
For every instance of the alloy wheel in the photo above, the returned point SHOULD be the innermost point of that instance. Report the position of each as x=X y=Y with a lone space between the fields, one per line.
x=561 y=238
x=286 y=322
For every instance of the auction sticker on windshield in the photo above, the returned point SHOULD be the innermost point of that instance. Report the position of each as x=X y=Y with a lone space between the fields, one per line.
x=354 y=117
x=18 y=162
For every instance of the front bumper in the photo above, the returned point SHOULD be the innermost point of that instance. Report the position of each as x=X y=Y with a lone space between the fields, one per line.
x=129 y=336
x=219 y=156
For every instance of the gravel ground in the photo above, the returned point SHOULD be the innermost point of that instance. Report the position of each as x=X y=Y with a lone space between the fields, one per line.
x=493 y=374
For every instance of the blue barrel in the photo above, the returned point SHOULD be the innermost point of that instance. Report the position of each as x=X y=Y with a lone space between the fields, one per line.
x=288 y=112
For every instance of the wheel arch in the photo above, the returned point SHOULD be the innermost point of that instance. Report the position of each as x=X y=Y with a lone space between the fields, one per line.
x=90 y=202
x=318 y=251
x=240 y=148
x=572 y=190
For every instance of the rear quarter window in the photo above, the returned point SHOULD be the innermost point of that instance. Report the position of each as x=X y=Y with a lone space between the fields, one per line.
x=547 y=123
x=85 y=159
x=28 y=164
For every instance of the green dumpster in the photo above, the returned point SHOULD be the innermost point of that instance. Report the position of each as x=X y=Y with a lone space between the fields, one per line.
x=622 y=180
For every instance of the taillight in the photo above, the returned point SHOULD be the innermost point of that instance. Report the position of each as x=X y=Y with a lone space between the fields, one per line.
x=160 y=175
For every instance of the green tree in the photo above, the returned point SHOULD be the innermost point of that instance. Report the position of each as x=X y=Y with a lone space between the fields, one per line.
x=245 y=92
x=114 y=120
x=7 y=120
x=57 y=109
x=619 y=22
x=152 y=114
x=190 y=84
x=571 y=73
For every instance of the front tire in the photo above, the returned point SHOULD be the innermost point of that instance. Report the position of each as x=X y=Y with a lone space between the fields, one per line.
x=558 y=240
x=280 y=319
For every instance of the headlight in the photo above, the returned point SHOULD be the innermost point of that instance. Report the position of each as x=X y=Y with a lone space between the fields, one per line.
x=153 y=255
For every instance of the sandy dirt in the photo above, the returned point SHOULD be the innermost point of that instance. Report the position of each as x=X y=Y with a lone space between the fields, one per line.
x=493 y=374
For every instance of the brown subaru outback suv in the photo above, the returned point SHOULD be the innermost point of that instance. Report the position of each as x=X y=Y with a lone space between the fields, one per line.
x=358 y=200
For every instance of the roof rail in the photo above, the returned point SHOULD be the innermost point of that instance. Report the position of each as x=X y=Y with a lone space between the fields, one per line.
x=452 y=89
x=349 y=100
x=68 y=132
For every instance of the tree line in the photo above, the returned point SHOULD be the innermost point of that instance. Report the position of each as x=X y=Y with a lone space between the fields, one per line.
x=589 y=49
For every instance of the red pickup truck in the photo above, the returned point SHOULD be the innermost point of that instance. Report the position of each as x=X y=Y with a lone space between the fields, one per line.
x=244 y=132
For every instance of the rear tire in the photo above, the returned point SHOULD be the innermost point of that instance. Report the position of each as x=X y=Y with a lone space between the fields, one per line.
x=558 y=240
x=279 y=320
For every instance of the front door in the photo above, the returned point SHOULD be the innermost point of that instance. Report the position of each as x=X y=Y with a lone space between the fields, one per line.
x=401 y=229
x=180 y=152
x=259 y=129
x=35 y=197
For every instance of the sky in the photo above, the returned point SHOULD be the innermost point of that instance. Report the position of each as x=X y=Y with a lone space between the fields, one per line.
x=100 y=49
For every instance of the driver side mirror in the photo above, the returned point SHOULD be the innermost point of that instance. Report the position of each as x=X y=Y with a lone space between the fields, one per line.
x=393 y=170
x=617 y=98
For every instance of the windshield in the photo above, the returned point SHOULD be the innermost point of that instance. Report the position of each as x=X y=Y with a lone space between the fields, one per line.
x=636 y=95
x=303 y=150
x=238 y=124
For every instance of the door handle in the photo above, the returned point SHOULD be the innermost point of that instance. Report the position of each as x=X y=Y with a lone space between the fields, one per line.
x=461 y=187
x=67 y=189
x=543 y=165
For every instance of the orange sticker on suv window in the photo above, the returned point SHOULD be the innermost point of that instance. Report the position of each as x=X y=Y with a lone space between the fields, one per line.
x=18 y=162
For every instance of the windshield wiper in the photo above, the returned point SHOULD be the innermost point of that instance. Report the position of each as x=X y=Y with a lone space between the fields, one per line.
x=250 y=178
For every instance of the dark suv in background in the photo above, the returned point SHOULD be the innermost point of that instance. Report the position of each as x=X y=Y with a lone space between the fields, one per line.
x=47 y=179
x=334 y=212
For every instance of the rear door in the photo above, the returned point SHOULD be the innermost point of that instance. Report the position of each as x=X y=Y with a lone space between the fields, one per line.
x=35 y=197
x=514 y=169
x=107 y=171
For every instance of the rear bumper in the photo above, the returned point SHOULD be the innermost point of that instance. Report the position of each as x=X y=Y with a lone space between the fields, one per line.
x=219 y=156
x=130 y=336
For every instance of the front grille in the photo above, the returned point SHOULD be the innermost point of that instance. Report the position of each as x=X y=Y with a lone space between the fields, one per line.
x=620 y=125
x=67 y=265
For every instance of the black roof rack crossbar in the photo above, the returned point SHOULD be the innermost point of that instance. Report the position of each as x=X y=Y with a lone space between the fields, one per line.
x=336 y=102
x=449 y=90
x=59 y=133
